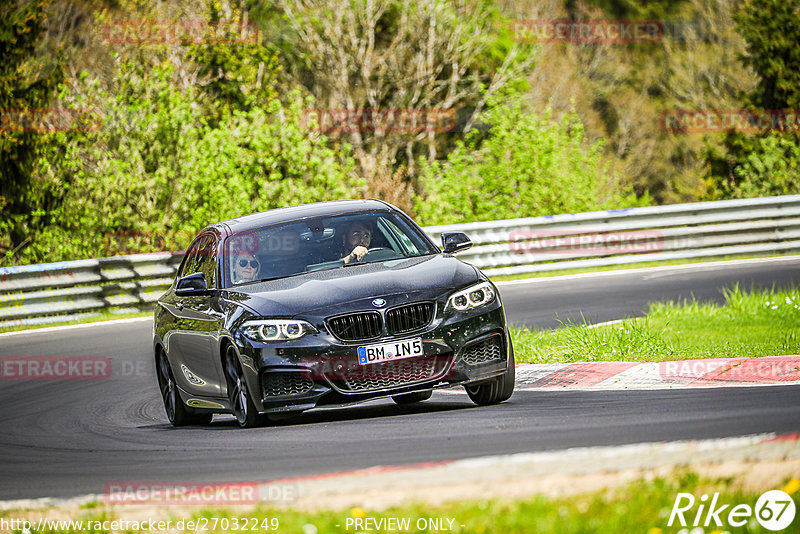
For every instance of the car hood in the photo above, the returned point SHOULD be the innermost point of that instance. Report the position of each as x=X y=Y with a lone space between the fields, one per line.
x=336 y=290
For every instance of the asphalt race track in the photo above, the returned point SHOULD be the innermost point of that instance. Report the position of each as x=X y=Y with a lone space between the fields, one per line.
x=72 y=437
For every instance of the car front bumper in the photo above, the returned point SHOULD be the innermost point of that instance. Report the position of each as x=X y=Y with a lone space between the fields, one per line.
x=320 y=370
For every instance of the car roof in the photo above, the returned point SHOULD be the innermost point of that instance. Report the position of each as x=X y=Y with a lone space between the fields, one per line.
x=304 y=211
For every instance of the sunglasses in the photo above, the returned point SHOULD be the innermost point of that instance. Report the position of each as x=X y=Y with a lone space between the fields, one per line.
x=253 y=263
x=358 y=235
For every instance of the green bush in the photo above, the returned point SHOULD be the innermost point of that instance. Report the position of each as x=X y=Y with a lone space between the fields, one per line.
x=526 y=165
x=772 y=167
x=259 y=160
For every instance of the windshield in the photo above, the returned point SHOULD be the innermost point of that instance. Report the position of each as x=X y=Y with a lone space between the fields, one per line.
x=318 y=244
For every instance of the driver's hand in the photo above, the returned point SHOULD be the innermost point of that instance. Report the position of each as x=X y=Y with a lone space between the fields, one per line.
x=359 y=252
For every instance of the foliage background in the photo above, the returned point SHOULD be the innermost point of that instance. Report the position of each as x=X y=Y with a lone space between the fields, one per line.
x=190 y=132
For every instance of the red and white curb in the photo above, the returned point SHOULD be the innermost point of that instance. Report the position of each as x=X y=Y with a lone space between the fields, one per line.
x=768 y=370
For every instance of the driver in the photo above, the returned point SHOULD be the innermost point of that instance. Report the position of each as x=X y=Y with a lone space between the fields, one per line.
x=356 y=239
x=245 y=268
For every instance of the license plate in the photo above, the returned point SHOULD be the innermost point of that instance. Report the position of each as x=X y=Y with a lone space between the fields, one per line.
x=395 y=350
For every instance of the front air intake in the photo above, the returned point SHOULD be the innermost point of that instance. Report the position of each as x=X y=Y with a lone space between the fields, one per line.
x=356 y=326
x=409 y=317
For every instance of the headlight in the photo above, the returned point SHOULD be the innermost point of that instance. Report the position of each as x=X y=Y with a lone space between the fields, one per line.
x=277 y=329
x=472 y=297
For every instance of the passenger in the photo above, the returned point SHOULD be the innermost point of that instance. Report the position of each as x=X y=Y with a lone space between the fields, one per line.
x=245 y=268
x=356 y=240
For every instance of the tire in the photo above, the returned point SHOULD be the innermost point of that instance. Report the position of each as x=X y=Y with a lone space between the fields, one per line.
x=411 y=398
x=241 y=402
x=499 y=389
x=509 y=377
x=178 y=413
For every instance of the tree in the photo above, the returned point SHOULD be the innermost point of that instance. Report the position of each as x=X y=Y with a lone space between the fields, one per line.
x=772 y=31
x=237 y=70
x=765 y=163
x=28 y=82
x=394 y=76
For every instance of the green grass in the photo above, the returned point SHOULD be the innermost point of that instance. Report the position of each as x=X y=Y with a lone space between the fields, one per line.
x=642 y=506
x=629 y=266
x=763 y=323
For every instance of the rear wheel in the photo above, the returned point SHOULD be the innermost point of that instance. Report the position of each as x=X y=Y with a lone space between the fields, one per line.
x=177 y=413
x=243 y=408
x=499 y=389
x=411 y=398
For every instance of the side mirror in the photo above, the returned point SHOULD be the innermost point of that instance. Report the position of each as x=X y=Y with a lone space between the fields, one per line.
x=192 y=285
x=453 y=242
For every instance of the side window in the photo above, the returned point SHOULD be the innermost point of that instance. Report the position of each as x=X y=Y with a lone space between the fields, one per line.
x=206 y=262
x=395 y=235
x=189 y=261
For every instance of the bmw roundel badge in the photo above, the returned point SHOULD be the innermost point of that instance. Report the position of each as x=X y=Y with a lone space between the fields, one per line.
x=379 y=303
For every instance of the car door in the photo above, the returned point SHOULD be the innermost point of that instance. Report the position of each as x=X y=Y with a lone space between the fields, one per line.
x=198 y=320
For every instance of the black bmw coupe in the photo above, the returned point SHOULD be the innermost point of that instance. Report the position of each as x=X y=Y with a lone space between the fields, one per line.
x=325 y=304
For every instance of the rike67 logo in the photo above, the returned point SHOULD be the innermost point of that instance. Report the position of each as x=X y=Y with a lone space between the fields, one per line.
x=774 y=510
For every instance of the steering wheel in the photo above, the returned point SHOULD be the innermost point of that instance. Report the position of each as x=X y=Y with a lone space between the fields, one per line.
x=379 y=253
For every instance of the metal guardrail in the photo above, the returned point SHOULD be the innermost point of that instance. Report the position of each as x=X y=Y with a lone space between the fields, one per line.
x=38 y=294
x=69 y=290
x=604 y=238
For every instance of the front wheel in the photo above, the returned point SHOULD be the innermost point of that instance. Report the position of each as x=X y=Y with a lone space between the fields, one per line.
x=499 y=389
x=177 y=413
x=243 y=408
